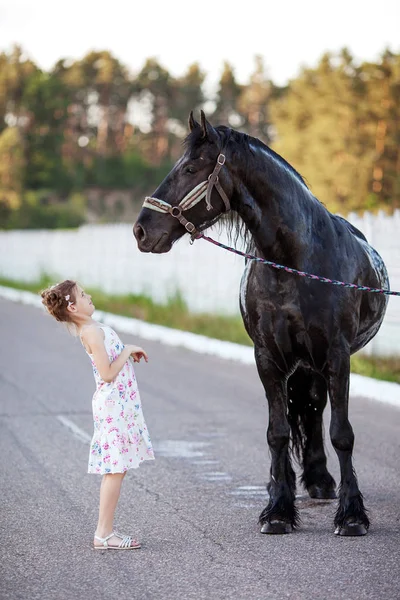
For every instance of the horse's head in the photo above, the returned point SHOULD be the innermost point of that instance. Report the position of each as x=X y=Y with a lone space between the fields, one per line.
x=191 y=196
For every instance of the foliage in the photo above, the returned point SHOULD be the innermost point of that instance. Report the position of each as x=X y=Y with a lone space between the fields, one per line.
x=339 y=125
x=12 y=160
x=90 y=123
x=37 y=211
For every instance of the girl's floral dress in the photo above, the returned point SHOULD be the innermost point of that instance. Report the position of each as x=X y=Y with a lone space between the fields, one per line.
x=121 y=440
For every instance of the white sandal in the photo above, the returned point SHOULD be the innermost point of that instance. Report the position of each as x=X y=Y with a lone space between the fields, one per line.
x=126 y=542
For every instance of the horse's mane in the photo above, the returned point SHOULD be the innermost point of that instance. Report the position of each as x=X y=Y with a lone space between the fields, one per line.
x=244 y=144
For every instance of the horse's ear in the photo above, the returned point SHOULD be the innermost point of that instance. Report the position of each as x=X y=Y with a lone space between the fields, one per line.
x=193 y=124
x=208 y=130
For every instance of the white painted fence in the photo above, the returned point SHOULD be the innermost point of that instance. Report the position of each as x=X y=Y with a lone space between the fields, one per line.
x=106 y=257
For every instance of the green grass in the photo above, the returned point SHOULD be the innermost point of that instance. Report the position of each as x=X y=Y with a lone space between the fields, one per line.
x=175 y=314
x=386 y=368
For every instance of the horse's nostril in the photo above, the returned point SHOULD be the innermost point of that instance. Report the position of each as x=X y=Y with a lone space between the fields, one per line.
x=139 y=232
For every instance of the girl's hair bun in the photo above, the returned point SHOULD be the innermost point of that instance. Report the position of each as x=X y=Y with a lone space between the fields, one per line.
x=58 y=297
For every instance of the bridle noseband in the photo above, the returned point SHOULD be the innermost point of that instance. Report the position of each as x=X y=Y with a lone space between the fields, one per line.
x=201 y=191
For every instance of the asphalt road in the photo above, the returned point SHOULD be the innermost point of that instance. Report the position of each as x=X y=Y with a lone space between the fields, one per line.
x=196 y=507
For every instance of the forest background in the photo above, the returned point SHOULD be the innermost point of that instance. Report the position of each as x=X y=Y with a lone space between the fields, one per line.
x=87 y=140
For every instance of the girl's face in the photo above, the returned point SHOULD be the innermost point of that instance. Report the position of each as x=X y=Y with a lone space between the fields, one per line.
x=83 y=305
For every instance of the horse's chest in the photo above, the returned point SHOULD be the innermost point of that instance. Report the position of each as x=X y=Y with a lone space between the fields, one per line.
x=244 y=283
x=261 y=288
x=264 y=304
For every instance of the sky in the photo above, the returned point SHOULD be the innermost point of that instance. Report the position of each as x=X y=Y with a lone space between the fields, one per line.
x=287 y=34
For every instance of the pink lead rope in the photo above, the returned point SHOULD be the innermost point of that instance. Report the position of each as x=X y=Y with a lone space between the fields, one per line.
x=362 y=288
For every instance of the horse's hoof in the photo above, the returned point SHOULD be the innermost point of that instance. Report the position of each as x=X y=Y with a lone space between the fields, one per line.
x=276 y=527
x=321 y=493
x=355 y=529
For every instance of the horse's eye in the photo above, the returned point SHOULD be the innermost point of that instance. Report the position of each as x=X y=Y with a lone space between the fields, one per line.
x=190 y=169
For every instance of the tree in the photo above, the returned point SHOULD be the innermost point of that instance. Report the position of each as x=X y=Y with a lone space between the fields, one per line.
x=382 y=82
x=48 y=100
x=186 y=95
x=229 y=91
x=338 y=124
x=101 y=89
x=157 y=83
x=12 y=166
x=253 y=103
x=12 y=160
x=15 y=72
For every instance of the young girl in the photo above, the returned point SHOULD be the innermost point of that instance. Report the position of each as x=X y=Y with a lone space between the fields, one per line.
x=121 y=440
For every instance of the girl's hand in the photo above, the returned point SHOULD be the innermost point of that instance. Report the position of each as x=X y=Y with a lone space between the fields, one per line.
x=138 y=353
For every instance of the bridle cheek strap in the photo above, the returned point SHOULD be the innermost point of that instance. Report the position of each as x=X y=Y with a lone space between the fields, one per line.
x=202 y=191
x=213 y=180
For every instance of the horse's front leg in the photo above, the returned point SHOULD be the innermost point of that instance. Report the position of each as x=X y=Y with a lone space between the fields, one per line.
x=280 y=515
x=350 y=518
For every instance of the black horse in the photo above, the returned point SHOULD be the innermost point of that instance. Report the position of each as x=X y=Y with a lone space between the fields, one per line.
x=303 y=331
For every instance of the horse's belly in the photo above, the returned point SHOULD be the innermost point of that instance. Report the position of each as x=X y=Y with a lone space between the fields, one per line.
x=373 y=306
x=370 y=323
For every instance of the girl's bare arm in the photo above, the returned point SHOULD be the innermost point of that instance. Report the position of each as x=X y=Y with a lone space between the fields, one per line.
x=93 y=339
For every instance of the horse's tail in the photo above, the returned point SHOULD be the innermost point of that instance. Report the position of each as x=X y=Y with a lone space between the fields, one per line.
x=307 y=396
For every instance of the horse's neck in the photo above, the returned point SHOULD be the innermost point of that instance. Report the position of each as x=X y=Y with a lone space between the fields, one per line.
x=271 y=202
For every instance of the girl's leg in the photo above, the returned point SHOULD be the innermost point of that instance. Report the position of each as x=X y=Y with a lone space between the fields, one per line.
x=109 y=495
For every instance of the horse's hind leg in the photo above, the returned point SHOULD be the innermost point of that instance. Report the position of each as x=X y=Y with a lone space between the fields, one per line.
x=350 y=518
x=280 y=515
x=307 y=393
